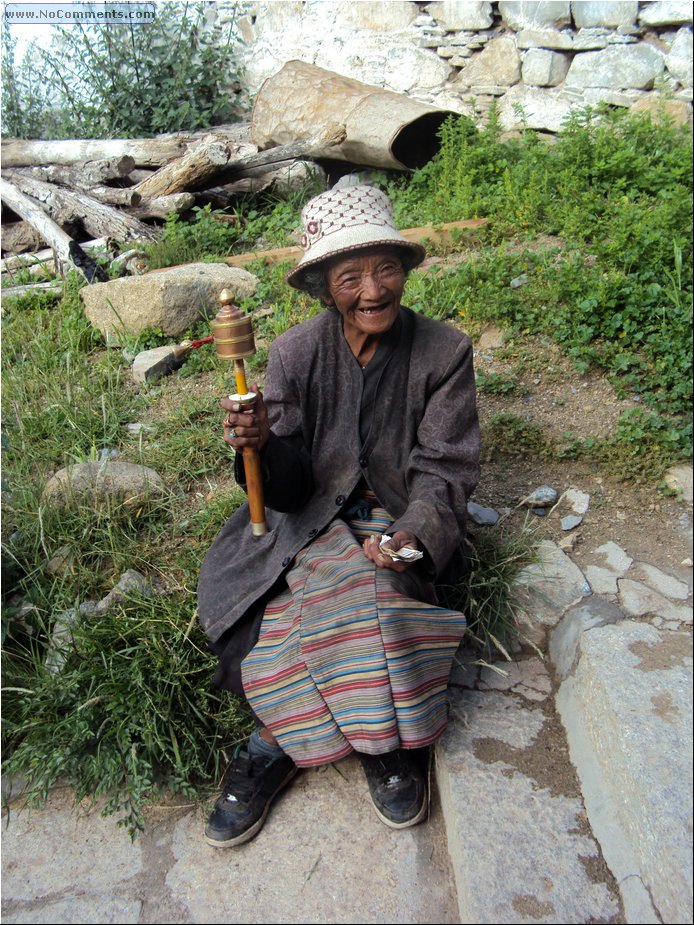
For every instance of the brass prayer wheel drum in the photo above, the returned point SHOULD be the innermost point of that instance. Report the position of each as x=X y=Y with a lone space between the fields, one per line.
x=232 y=330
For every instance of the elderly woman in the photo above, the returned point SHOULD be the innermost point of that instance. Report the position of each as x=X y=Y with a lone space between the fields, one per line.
x=369 y=444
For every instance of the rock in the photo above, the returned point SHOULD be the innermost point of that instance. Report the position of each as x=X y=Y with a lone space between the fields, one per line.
x=666 y=13
x=388 y=15
x=660 y=581
x=130 y=584
x=60 y=563
x=61 y=639
x=547 y=588
x=528 y=15
x=544 y=68
x=616 y=558
x=601 y=580
x=454 y=15
x=579 y=500
x=135 y=427
x=519 y=281
x=483 y=516
x=528 y=677
x=167 y=300
x=544 y=496
x=545 y=110
x=571 y=521
x=677 y=111
x=565 y=638
x=617 y=67
x=497 y=65
x=679 y=59
x=637 y=600
x=687 y=563
x=590 y=39
x=106 y=482
x=679 y=479
x=150 y=365
x=491 y=339
x=605 y=13
x=544 y=38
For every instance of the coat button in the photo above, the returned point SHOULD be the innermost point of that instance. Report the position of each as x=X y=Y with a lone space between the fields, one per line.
x=363 y=462
x=286 y=561
x=340 y=500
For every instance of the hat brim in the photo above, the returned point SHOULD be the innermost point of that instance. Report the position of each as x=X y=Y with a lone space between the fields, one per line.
x=295 y=277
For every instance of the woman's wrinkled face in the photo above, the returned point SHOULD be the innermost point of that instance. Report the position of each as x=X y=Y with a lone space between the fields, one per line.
x=366 y=289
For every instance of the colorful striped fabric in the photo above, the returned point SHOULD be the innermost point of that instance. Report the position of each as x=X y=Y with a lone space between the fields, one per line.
x=347 y=658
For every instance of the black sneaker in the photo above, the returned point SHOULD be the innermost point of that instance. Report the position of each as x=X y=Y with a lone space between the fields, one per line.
x=249 y=786
x=398 y=786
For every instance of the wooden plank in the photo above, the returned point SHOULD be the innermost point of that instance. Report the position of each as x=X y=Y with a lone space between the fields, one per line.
x=438 y=234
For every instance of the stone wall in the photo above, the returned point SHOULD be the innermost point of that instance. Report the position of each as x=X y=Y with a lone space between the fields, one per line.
x=540 y=60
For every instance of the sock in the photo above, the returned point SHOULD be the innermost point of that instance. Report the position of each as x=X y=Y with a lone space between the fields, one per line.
x=258 y=747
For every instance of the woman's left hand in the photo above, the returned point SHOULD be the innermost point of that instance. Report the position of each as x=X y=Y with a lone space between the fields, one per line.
x=374 y=551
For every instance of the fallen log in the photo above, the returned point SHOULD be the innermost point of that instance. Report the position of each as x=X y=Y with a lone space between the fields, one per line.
x=162 y=206
x=37 y=261
x=67 y=251
x=146 y=152
x=437 y=234
x=114 y=196
x=193 y=170
x=96 y=218
x=45 y=288
x=82 y=176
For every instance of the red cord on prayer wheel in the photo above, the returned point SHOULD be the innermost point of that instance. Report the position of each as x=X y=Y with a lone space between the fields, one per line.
x=233 y=338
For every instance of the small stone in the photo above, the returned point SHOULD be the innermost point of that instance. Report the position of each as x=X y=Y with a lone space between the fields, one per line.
x=61 y=562
x=687 y=563
x=679 y=479
x=601 y=580
x=539 y=511
x=150 y=365
x=579 y=500
x=543 y=496
x=483 y=516
x=571 y=521
x=519 y=281
x=617 y=559
x=135 y=428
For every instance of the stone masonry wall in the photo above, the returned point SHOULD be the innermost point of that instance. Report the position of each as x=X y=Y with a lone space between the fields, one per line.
x=539 y=59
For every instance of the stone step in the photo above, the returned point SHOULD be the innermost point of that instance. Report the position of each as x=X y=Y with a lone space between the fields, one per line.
x=566 y=782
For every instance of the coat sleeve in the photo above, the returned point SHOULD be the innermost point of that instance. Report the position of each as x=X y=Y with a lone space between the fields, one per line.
x=285 y=461
x=443 y=465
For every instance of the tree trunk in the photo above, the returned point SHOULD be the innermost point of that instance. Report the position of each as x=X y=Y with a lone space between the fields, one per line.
x=68 y=252
x=36 y=262
x=161 y=206
x=82 y=176
x=20 y=237
x=97 y=219
x=193 y=170
x=9 y=291
x=146 y=152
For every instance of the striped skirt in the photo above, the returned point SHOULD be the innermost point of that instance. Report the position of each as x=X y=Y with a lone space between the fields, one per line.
x=350 y=657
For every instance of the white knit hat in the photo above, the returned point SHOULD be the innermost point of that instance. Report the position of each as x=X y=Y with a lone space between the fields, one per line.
x=347 y=219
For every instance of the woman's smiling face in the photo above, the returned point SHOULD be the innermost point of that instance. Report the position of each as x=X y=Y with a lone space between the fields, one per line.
x=366 y=289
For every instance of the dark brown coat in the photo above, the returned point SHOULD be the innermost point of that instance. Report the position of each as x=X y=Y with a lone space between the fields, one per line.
x=421 y=455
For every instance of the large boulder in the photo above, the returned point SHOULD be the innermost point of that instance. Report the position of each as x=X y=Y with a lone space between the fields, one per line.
x=101 y=483
x=497 y=65
x=460 y=14
x=169 y=301
x=542 y=110
x=605 y=13
x=679 y=58
x=525 y=14
x=666 y=13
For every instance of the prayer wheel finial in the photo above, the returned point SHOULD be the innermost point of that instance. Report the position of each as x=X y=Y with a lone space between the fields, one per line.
x=232 y=330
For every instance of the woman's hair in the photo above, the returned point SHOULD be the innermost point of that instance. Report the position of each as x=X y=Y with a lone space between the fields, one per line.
x=315 y=279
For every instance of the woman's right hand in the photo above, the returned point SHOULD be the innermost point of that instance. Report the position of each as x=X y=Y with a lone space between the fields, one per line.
x=246 y=426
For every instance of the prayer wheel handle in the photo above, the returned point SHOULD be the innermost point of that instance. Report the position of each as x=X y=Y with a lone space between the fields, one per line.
x=233 y=339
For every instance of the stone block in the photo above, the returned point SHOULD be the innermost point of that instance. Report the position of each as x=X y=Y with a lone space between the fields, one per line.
x=565 y=638
x=545 y=38
x=638 y=600
x=155 y=363
x=387 y=16
x=627 y=710
x=680 y=111
x=166 y=300
x=605 y=13
x=666 y=13
x=550 y=586
x=660 y=581
x=617 y=67
x=459 y=14
x=590 y=39
x=544 y=110
x=544 y=68
x=497 y=65
x=679 y=59
x=529 y=15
